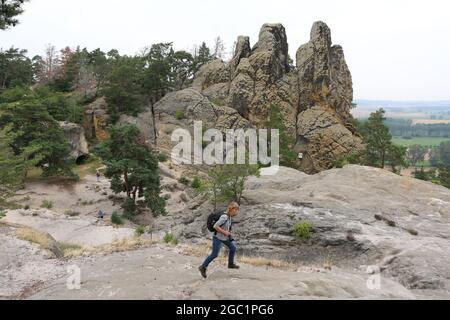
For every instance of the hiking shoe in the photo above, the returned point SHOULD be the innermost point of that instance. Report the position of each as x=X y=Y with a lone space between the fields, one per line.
x=202 y=271
x=233 y=266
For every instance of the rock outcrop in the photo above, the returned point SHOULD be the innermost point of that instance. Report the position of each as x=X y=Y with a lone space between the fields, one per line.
x=360 y=216
x=74 y=133
x=95 y=120
x=314 y=97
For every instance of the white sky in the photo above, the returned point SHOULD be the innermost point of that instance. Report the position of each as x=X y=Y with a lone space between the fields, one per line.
x=396 y=49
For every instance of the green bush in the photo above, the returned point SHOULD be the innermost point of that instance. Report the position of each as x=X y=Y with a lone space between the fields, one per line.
x=47 y=204
x=162 y=157
x=129 y=208
x=179 y=114
x=139 y=231
x=196 y=184
x=183 y=180
x=27 y=207
x=2 y=213
x=116 y=219
x=170 y=238
x=302 y=230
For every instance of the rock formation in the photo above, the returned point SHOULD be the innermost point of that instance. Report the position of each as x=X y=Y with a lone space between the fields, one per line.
x=74 y=133
x=314 y=97
x=95 y=120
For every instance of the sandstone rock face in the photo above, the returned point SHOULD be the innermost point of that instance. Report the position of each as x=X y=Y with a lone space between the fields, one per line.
x=76 y=137
x=360 y=217
x=314 y=98
x=95 y=120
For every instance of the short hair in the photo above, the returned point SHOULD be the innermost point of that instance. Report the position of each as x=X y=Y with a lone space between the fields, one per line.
x=232 y=205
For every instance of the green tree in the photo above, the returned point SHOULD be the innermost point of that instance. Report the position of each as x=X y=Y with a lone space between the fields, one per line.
x=227 y=182
x=416 y=153
x=202 y=56
x=132 y=167
x=9 y=10
x=123 y=88
x=16 y=69
x=395 y=156
x=377 y=139
x=275 y=121
x=440 y=156
x=35 y=135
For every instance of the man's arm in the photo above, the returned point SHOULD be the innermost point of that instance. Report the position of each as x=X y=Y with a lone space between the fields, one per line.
x=224 y=232
x=218 y=225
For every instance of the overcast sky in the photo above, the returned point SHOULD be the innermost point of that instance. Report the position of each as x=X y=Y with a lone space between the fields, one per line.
x=396 y=49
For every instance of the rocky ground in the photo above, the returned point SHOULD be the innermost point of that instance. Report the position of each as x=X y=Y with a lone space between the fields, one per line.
x=363 y=219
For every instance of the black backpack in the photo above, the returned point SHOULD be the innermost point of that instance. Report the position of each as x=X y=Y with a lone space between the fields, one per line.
x=212 y=219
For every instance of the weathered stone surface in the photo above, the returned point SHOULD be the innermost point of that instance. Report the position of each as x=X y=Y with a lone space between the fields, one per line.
x=95 y=120
x=144 y=122
x=400 y=224
x=74 y=133
x=256 y=79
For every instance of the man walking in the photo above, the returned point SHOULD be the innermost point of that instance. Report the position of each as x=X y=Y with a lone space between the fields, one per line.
x=222 y=235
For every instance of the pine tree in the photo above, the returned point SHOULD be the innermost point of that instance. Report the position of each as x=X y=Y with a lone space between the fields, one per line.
x=132 y=167
x=9 y=9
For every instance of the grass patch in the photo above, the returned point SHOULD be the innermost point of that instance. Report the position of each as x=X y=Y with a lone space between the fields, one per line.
x=179 y=114
x=69 y=248
x=139 y=231
x=302 y=230
x=125 y=244
x=169 y=238
x=47 y=204
x=196 y=183
x=44 y=240
x=116 y=219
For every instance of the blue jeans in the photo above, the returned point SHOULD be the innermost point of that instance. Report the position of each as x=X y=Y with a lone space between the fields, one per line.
x=216 y=244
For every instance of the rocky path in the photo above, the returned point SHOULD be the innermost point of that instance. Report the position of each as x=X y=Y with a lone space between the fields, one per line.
x=164 y=273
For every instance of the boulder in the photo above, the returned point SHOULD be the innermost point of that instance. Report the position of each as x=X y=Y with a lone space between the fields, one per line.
x=95 y=120
x=74 y=133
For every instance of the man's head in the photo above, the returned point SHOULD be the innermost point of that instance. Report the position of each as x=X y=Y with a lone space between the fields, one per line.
x=232 y=209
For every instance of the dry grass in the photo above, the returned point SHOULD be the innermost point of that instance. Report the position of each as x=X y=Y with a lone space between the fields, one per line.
x=34 y=236
x=205 y=250
x=125 y=244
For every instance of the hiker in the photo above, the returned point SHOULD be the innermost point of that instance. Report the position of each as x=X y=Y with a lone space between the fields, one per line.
x=98 y=175
x=221 y=235
x=100 y=214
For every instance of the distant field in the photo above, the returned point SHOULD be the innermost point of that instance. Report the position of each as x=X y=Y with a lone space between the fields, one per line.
x=429 y=121
x=424 y=141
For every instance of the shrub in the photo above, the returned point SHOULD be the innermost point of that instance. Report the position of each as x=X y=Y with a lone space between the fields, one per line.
x=47 y=204
x=302 y=230
x=162 y=157
x=116 y=219
x=183 y=180
x=179 y=114
x=170 y=238
x=2 y=213
x=139 y=231
x=27 y=207
x=129 y=207
x=196 y=184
